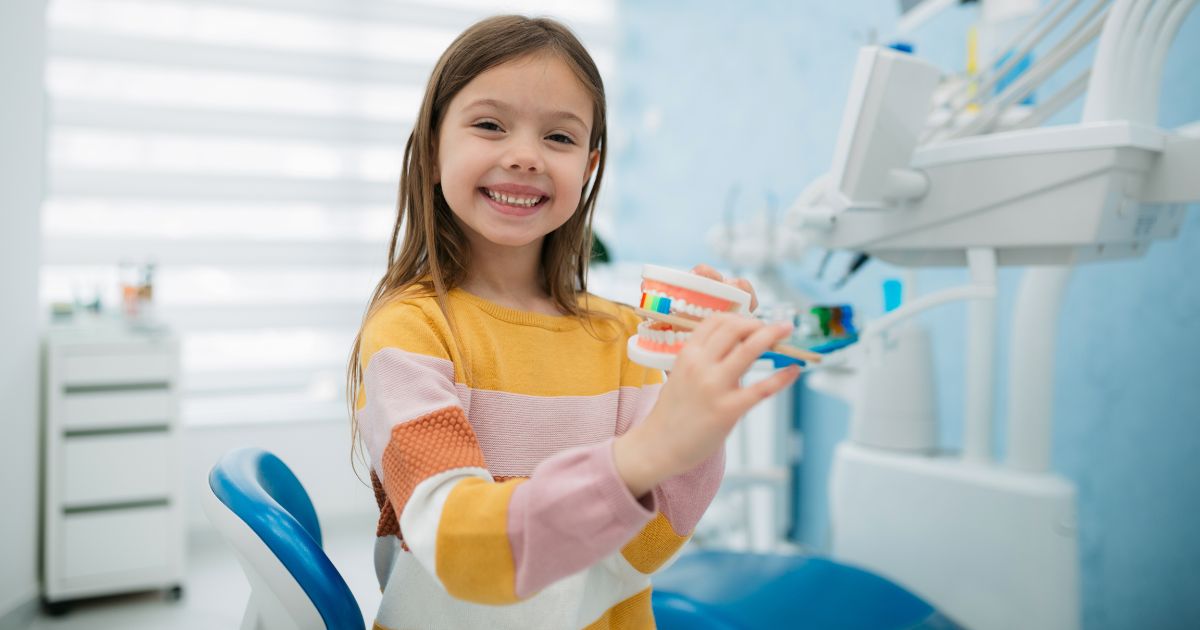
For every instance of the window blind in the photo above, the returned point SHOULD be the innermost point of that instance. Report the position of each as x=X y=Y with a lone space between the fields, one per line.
x=250 y=149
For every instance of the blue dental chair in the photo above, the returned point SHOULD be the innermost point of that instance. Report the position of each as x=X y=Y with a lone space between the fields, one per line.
x=262 y=510
x=723 y=590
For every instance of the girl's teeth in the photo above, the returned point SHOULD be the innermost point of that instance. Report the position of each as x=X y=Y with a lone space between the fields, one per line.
x=514 y=200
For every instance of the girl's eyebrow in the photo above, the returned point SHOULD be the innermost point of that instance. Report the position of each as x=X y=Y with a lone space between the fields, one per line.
x=504 y=107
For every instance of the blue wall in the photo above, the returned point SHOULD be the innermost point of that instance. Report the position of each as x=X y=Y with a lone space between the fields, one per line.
x=715 y=96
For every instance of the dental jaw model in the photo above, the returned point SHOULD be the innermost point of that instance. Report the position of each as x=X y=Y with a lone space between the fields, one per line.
x=678 y=295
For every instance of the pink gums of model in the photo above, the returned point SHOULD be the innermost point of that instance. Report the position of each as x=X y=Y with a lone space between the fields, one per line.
x=682 y=294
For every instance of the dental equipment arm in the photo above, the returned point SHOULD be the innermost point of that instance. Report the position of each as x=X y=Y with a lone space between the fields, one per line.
x=1098 y=190
x=991 y=74
x=1080 y=36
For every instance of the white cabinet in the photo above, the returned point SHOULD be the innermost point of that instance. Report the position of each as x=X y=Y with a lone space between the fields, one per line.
x=112 y=475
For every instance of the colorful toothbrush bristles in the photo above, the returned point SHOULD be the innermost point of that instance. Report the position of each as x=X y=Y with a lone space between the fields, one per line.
x=656 y=303
x=835 y=321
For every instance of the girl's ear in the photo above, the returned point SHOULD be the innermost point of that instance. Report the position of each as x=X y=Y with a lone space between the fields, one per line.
x=593 y=160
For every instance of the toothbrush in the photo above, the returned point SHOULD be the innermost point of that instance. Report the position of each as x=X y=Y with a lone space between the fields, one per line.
x=779 y=348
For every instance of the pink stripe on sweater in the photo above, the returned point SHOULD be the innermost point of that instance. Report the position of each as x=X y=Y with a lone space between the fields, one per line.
x=515 y=432
x=401 y=386
x=518 y=432
x=636 y=405
x=573 y=511
x=684 y=498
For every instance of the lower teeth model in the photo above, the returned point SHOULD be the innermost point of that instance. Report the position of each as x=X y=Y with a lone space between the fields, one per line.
x=681 y=294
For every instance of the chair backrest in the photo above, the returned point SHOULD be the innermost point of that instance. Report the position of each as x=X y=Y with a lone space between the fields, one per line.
x=262 y=510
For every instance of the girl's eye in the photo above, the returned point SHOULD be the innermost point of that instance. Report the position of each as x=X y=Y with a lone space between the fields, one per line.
x=561 y=138
x=487 y=125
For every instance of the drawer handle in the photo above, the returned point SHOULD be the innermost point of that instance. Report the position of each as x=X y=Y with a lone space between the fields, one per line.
x=149 y=428
x=115 y=387
x=126 y=505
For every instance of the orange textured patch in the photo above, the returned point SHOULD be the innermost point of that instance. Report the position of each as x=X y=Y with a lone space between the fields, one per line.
x=388 y=525
x=423 y=447
x=634 y=613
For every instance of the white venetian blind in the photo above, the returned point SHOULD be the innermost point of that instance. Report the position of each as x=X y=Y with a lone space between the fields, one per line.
x=251 y=150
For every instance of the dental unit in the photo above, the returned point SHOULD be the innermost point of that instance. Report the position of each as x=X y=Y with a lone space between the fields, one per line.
x=929 y=172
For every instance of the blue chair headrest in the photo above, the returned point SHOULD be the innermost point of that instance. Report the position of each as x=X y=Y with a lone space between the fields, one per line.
x=262 y=491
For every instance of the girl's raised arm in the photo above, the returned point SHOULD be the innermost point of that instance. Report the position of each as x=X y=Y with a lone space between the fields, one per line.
x=702 y=401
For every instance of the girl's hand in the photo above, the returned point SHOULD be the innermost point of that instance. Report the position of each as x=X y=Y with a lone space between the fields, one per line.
x=741 y=283
x=702 y=401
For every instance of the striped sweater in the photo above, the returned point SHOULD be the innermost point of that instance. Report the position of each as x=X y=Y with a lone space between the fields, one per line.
x=500 y=505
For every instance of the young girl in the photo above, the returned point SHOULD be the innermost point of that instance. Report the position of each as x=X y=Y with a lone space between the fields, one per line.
x=528 y=475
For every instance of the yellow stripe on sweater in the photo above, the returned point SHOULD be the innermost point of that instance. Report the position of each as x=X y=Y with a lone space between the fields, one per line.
x=474 y=558
x=508 y=350
x=634 y=613
x=653 y=546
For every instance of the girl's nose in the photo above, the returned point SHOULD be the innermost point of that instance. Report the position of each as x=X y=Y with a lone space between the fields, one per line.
x=524 y=155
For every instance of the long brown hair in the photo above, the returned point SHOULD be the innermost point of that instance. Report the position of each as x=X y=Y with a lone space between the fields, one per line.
x=434 y=254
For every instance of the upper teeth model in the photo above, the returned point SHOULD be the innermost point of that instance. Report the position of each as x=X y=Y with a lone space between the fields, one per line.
x=672 y=292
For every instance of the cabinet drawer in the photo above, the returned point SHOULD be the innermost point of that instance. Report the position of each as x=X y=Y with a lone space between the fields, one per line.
x=117 y=369
x=100 y=543
x=101 y=410
x=101 y=469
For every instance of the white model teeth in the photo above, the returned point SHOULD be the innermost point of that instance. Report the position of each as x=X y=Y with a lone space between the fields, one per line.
x=691 y=309
x=513 y=200
x=679 y=305
x=669 y=337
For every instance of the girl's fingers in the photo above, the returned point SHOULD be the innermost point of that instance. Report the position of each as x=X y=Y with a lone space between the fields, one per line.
x=748 y=396
x=747 y=352
x=710 y=325
x=706 y=271
x=726 y=331
x=745 y=285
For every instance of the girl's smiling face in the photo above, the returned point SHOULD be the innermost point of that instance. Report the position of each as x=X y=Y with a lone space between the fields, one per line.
x=512 y=154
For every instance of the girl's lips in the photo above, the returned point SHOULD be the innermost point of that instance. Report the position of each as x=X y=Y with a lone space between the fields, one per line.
x=516 y=211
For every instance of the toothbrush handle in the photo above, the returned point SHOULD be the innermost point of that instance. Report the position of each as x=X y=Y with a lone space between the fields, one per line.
x=687 y=324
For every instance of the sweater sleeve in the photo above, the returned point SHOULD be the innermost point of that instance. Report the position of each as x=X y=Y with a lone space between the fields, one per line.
x=680 y=500
x=484 y=541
